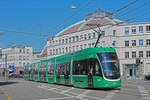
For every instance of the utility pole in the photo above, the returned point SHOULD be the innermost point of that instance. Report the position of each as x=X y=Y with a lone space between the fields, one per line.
x=6 y=66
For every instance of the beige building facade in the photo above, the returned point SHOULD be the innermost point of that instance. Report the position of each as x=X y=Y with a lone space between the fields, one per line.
x=16 y=56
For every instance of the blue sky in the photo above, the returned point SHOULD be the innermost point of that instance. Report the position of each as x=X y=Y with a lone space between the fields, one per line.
x=43 y=16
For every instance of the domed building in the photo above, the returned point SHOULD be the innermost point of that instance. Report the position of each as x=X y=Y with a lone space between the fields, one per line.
x=132 y=41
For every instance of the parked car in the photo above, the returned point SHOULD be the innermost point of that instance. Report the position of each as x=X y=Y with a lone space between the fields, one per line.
x=147 y=77
x=20 y=76
x=12 y=75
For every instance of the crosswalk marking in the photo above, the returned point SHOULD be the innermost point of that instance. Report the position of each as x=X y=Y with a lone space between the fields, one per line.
x=79 y=96
x=144 y=92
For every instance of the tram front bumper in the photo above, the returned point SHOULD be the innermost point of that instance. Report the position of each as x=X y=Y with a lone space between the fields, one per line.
x=107 y=84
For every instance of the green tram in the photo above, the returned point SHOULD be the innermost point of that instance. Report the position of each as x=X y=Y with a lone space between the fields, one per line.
x=87 y=68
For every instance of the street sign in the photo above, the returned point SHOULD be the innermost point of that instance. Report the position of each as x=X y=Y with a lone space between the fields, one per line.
x=11 y=67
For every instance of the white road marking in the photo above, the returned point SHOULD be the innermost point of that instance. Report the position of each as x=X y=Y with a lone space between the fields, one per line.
x=144 y=92
x=110 y=95
x=79 y=96
x=57 y=98
x=82 y=95
x=67 y=90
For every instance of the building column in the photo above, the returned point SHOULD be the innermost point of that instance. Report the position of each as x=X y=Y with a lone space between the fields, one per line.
x=124 y=71
x=141 y=71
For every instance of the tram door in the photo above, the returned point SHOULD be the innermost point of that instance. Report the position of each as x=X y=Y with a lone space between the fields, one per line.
x=29 y=73
x=58 y=73
x=44 y=73
x=66 y=75
x=91 y=66
x=40 y=72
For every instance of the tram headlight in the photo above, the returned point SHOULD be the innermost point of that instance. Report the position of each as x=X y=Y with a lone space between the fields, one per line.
x=114 y=83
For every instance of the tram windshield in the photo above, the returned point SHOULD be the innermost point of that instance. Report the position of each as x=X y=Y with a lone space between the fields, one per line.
x=110 y=65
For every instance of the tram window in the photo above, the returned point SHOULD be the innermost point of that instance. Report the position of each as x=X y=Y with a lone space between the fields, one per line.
x=96 y=67
x=98 y=71
x=26 y=71
x=51 y=69
x=62 y=69
x=57 y=69
x=84 y=67
x=67 y=70
x=80 y=67
x=76 y=68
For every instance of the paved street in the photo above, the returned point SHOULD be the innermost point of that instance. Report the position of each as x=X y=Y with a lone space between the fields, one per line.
x=19 y=89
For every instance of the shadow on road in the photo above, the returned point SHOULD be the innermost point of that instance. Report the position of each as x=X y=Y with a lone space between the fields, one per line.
x=104 y=89
x=7 y=83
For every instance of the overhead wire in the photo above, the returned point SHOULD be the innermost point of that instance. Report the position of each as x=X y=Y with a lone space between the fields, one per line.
x=70 y=17
x=134 y=9
x=58 y=26
x=116 y=11
x=29 y=33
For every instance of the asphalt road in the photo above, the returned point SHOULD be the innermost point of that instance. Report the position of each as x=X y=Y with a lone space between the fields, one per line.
x=19 y=89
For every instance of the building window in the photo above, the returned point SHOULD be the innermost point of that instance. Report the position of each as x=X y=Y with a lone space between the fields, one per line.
x=81 y=37
x=93 y=35
x=126 y=30
x=20 y=50
x=50 y=52
x=53 y=51
x=56 y=51
x=140 y=54
x=81 y=47
x=77 y=47
x=85 y=37
x=114 y=32
x=20 y=57
x=66 y=40
x=85 y=45
x=59 y=50
x=133 y=54
x=103 y=33
x=114 y=43
x=147 y=28
x=27 y=51
x=126 y=43
x=148 y=42
x=133 y=42
x=24 y=58
x=147 y=53
x=93 y=44
x=140 y=42
x=89 y=44
x=133 y=30
x=24 y=64
x=70 y=40
x=20 y=63
x=73 y=48
x=59 y=41
x=89 y=36
x=73 y=39
x=63 y=50
x=69 y=49
x=53 y=42
x=77 y=38
x=66 y=49
x=126 y=54
x=141 y=29
x=63 y=41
